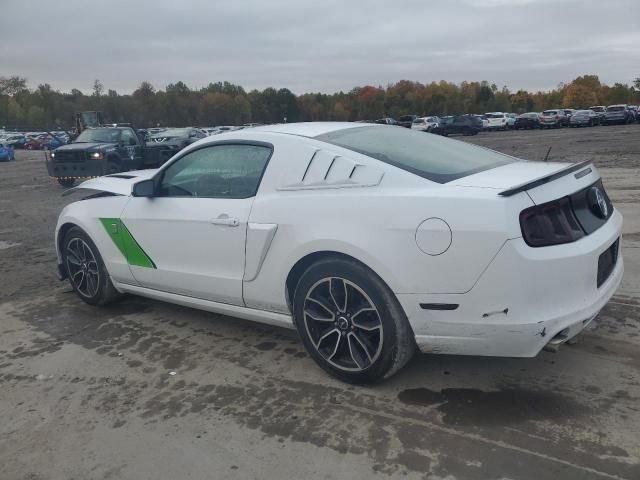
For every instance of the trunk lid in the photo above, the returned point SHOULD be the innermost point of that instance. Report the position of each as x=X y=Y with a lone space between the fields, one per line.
x=542 y=181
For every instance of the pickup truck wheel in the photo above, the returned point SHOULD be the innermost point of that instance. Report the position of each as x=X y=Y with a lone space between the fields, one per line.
x=67 y=182
x=112 y=167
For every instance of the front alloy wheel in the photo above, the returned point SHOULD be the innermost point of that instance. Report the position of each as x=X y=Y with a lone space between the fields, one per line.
x=85 y=268
x=82 y=267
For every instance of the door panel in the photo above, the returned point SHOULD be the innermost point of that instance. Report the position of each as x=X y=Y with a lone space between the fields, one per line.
x=194 y=228
x=197 y=245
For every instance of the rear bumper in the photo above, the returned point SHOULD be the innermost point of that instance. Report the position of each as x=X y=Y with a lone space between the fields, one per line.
x=525 y=298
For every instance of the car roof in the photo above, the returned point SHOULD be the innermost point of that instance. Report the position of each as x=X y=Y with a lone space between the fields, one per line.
x=310 y=129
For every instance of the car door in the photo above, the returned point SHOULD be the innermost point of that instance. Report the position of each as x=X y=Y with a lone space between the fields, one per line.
x=131 y=149
x=193 y=230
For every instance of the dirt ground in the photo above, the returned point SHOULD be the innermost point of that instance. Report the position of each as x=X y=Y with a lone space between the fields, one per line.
x=87 y=393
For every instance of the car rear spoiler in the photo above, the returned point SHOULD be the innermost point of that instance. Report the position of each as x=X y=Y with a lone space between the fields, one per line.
x=545 y=179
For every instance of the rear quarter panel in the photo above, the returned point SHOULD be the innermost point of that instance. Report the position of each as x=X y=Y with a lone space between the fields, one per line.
x=376 y=225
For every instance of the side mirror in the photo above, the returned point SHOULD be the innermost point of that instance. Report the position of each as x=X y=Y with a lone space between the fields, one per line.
x=144 y=188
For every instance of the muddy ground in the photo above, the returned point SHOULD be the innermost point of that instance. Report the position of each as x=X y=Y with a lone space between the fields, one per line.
x=87 y=393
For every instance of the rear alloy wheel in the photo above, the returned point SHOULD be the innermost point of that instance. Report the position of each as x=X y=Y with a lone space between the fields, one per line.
x=350 y=322
x=86 y=270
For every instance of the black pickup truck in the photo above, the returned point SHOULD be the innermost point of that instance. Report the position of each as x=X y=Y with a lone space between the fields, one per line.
x=103 y=151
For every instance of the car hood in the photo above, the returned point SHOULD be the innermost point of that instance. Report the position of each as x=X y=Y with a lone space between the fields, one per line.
x=117 y=183
x=84 y=146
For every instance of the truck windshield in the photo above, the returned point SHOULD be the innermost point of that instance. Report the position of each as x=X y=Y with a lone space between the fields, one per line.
x=430 y=156
x=99 y=135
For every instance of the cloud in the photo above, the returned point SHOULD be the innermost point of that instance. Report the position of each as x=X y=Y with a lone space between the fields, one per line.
x=324 y=45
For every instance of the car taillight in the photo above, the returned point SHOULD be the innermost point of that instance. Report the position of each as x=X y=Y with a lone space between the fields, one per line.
x=551 y=223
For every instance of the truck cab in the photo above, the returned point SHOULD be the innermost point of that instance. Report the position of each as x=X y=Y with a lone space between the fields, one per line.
x=98 y=151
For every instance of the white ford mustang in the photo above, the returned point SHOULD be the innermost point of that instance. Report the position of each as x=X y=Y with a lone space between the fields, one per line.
x=370 y=240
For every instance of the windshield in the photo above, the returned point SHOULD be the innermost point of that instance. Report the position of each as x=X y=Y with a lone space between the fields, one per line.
x=550 y=113
x=494 y=115
x=582 y=112
x=615 y=109
x=597 y=109
x=99 y=135
x=173 y=132
x=529 y=115
x=430 y=156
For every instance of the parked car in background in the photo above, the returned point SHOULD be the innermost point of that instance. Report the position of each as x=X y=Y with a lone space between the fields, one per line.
x=16 y=140
x=176 y=138
x=35 y=142
x=7 y=152
x=584 y=118
x=483 y=120
x=568 y=113
x=386 y=121
x=527 y=121
x=600 y=111
x=459 y=125
x=51 y=142
x=553 y=119
x=497 y=120
x=511 y=119
x=406 y=120
x=425 y=124
x=618 y=114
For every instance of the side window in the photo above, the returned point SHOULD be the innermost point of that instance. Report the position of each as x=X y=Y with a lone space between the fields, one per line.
x=128 y=138
x=219 y=171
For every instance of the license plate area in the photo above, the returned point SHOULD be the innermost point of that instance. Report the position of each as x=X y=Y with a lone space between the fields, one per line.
x=607 y=262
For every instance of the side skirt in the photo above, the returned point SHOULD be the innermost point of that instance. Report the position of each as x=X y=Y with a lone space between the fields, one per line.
x=261 y=316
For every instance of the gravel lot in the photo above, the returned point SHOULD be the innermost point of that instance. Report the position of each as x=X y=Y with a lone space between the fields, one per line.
x=86 y=393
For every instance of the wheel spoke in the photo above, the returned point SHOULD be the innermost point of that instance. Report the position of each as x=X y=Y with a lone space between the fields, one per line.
x=315 y=315
x=73 y=257
x=361 y=324
x=326 y=338
x=94 y=269
x=355 y=346
x=341 y=306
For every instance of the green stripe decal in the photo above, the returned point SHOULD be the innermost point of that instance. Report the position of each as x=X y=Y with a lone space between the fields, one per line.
x=125 y=242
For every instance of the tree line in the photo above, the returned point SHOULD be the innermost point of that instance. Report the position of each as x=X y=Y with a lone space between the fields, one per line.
x=224 y=103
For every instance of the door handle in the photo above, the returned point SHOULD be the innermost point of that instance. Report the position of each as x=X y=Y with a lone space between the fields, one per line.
x=225 y=219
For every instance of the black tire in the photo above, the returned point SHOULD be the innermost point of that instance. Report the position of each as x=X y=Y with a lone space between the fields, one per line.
x=67 y=182
x=361 y=351
x=80 y=259
x=112 y=167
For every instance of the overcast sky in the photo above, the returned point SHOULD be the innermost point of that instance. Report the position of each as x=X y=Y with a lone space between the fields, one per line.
x=309 y=45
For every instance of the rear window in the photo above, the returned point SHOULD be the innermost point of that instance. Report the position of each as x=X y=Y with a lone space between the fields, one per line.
x=432 y=157
x=494 y=115
x=549 y=113
x=615 y=109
